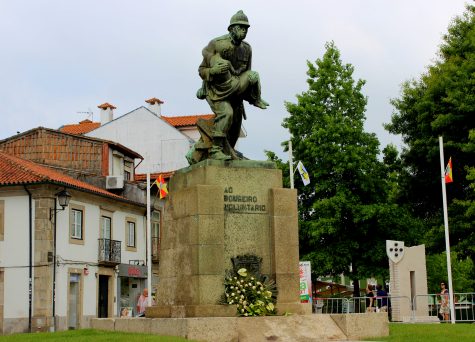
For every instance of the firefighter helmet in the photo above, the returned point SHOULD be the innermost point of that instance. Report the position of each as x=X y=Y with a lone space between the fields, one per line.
x=239 y=19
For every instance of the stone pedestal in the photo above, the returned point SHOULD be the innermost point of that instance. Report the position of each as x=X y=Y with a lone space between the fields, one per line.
x=216 y=211
x=339 y=327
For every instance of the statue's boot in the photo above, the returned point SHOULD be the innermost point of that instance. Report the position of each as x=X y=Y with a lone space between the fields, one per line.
x=216 y=151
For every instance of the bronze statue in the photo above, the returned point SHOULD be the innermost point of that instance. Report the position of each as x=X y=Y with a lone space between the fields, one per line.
x=227 y=81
